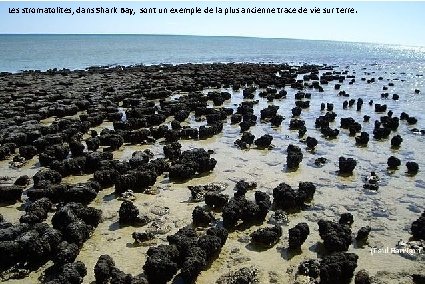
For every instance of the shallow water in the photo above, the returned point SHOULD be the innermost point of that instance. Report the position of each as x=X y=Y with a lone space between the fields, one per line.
x=389 y=211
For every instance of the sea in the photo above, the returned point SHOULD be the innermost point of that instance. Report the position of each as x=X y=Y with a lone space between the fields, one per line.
x=42 y=52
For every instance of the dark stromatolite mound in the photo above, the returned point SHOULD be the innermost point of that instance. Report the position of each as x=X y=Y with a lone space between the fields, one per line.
x=336 y=237
x=241 y=209
x=294 y=157
x=346 y=165
x=25 y=246
x=28 y=152
x=393 y=163
x=57 y=152
x=396 y=141
x=277 y=120
x=216 y=200
x=161 y=264
x=346 y=219
x=201 y=217
x=328 y=132
x=286 y=198
x=198 y=192
x=76 y=222
x=46 y=177
x=36 y=212
x=93 y=143
x=266 y=237
x=172 y=151
x=190 y=163
x=380 y=133
x=296 y=124
x=298 y=235
x=6 y=150
x=321 y=161
x=66 y=253
x=129 y=215
x=22 y=181
x=306 y=190
x=137 y=180
x=363 y=234
x=311 y=142
x=140 y=237
x=363 y=139
x=418 y=228
x=263 y=141
x=10 y=194
x=243 y=187
x=68 y=273
x=268 y=112
x=412 y=168
x=337 y=268
x=103 y=269
x=350 y=124
x=246 y=140
x=81 y=192
x=418 y=278
x=186 y=251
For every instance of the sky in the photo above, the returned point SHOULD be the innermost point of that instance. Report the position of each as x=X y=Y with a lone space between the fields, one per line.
x=392 y=22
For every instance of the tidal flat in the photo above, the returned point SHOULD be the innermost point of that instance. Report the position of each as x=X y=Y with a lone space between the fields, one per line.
x=199 y=158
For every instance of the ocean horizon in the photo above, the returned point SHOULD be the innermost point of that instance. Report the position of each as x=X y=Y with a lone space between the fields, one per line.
x=79 y=51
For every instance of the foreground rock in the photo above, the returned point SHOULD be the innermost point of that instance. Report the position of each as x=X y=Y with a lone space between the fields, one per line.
x=187 y=252
x=336 y=237
x=338 y=268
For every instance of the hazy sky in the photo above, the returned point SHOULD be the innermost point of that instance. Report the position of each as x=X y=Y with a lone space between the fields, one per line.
x=383 y=22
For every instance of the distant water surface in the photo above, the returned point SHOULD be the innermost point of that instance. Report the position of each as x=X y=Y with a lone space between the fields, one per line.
x=42 y=52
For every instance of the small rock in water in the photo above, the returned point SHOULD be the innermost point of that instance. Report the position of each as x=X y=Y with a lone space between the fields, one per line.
x=371 y=182
x=320 y=161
